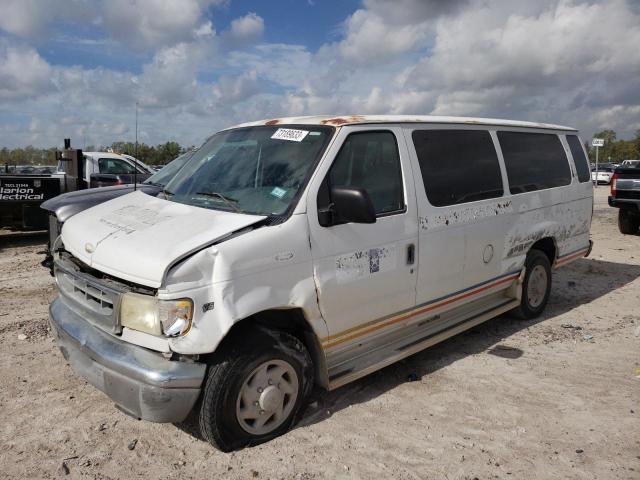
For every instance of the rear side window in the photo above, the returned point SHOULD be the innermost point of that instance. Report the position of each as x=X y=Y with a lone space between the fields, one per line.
x=458 y=166
x=534 y=161
x=579 y=158
x=370 y=160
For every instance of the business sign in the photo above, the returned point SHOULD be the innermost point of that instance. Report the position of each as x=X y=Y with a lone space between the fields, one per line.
x=597 y=142
x=25 y=189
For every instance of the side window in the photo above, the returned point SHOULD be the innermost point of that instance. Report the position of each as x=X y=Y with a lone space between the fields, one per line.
x=114 y=165
x=458 y=166
x=579 y=158
x=534 y=161
x=370 y=160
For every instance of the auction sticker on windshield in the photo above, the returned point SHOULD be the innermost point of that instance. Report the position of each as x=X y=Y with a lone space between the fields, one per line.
x=289 y=134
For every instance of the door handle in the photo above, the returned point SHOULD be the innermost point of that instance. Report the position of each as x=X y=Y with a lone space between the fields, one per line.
x=411 y=254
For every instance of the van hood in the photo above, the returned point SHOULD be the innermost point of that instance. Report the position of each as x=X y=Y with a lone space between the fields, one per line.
x=137 y=237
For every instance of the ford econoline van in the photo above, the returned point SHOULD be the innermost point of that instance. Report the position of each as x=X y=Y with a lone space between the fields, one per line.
x=309 y=251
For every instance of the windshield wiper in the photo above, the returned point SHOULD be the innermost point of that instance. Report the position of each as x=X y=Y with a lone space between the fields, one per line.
x=228 y=200
x=167 y=193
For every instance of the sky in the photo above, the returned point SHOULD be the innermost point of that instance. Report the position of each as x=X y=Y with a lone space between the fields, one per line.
x=77 y=68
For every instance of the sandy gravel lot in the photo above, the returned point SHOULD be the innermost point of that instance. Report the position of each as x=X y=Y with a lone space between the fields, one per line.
x=508 y=399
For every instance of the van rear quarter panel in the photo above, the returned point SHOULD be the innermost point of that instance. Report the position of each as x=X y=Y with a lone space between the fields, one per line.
x=562 y=213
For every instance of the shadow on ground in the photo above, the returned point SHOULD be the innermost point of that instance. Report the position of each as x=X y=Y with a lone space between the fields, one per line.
x=22 y=239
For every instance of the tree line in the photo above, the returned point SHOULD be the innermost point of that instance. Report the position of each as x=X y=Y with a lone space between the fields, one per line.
x=614 y=150
x=159 y=155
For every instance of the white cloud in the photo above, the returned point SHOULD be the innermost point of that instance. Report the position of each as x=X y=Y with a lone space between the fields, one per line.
x=229 y=91
x=369 y=39
x=565 y=61
x=247 y=29
x=547 y=65
x=22 y=17
x=30 y=18
x=407 y=12
x=146 y=24
x=23 y=73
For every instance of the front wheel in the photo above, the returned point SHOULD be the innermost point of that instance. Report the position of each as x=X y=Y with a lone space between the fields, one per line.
x=256 y=392
x=628 y=224
x=536 y=285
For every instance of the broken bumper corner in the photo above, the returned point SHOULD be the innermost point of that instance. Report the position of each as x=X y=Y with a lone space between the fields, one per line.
x=142 y=383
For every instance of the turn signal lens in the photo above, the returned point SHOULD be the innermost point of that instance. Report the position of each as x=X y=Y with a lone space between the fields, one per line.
x=175 y=316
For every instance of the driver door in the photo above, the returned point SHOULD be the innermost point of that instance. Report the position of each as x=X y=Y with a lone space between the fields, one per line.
x=365 y=272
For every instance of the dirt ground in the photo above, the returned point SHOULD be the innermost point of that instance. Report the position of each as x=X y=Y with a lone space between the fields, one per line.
x=557 y=397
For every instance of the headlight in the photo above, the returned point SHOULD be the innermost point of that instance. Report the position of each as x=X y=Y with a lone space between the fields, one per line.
x=150 y=315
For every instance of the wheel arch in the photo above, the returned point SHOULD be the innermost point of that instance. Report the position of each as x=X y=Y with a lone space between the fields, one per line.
x=548 y=246
x=289 y=320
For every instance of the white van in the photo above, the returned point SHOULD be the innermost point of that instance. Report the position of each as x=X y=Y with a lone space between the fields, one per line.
x=314 y=250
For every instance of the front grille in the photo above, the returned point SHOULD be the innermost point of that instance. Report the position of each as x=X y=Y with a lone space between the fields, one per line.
x=628 y=194
x=92 y=298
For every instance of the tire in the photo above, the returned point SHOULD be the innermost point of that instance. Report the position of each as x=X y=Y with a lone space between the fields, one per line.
x=538 y=269
x=628 y=224
x=243 y=368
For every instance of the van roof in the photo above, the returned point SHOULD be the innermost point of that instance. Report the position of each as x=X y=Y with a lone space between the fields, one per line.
x=365 y=119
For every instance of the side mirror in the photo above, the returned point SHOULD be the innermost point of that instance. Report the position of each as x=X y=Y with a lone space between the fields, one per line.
x=348 y=205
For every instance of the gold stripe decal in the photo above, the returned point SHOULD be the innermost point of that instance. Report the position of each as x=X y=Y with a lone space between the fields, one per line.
x=376 y=325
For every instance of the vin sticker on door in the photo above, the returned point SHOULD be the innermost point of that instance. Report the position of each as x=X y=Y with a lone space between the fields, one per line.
x=290 y=134
x=365 y=263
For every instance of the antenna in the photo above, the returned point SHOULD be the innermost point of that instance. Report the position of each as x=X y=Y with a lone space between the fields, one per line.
x=135 y=156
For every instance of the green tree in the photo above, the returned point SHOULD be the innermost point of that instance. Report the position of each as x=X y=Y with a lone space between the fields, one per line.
x=167 y=152
x=608 y=135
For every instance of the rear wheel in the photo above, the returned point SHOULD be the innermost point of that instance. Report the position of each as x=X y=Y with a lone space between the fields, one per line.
x=536 y=285
x=256 y=392
x=628 y=223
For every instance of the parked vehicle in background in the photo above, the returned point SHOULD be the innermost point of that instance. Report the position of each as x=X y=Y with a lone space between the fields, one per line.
x=625 y=196
x=103 y=169
x=24 y=188
x=313 y=250
x=63 y=207
x=603 y=174
x=630 y=163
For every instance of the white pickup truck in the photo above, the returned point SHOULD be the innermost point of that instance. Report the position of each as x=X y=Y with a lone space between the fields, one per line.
x=106 y=168
x=314 y=250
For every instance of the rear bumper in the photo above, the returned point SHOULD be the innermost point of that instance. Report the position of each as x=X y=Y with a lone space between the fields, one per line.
x=142 y=383
x=627 y=203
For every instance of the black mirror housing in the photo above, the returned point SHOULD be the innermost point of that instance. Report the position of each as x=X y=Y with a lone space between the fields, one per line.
x=348 y=205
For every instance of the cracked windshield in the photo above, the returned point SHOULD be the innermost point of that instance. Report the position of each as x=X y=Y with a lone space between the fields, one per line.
x=255 y=170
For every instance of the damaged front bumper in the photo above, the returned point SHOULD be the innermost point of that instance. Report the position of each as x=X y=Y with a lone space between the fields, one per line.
x=141 y=382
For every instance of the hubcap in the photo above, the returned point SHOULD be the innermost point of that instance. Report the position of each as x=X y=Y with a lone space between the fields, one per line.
x=537 y=286
x=267 y=397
